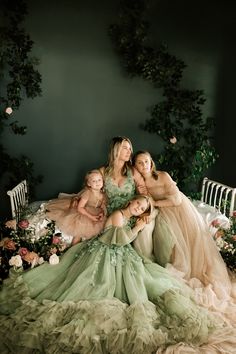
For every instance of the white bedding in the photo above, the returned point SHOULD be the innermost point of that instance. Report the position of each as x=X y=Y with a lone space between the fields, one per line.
x=211 y=214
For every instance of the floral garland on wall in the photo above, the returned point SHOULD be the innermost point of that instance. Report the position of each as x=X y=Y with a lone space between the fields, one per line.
x=178 y=120
x=19 y=79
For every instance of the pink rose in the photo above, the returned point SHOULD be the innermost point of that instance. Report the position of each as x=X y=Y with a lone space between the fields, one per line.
x=9 y=110
x=215 y=223
x=23 y=251
x=23 y=224
x=234 y=213
x=234 y=237
x=56 y=240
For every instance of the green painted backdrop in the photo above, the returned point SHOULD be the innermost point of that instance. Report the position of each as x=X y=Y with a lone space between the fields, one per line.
x=87 y=98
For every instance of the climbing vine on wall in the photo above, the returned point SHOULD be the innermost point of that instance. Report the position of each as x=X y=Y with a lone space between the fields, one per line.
x=19 y=79
x=178 y=119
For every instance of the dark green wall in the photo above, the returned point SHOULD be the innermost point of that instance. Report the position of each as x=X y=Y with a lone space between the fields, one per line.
x=87 y=98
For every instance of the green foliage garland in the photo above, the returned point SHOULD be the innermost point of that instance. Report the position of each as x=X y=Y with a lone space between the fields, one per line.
x=188 y=151
x=18 y=79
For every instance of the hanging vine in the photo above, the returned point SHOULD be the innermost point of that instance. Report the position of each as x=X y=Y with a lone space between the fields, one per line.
x=18 y=79
x=178 y=119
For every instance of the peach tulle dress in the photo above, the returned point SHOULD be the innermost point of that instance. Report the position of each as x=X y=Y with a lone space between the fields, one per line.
x=70 y=221
x=180 y=240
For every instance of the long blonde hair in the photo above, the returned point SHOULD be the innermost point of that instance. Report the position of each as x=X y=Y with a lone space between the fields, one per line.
x=153 y=165
x=115 y=145
x=149 y=209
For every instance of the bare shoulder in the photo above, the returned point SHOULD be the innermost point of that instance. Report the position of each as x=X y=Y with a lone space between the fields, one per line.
x=117 y=218
x=164 y=175
x=85 y=193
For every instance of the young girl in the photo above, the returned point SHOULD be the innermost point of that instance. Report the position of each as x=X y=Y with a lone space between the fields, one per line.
x=181 y=237
x=103 y=298
x=83 y=215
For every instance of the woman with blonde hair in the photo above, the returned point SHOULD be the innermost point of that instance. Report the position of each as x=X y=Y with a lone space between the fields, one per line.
x=121 y=180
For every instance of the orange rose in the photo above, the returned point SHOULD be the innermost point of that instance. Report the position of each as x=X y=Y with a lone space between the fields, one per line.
x=31 y=257
x=8 y=244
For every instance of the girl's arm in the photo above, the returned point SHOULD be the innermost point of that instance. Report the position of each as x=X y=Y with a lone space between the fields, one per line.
x=172 y=195
x=139 y=225
x=116 y=219
x=139 y=182
x=81 y=206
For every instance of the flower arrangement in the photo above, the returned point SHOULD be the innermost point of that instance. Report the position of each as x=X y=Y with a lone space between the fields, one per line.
x=29 y=243
x=226 y=241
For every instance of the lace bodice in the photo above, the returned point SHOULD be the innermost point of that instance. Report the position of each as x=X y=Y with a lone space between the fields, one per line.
x=118 y=196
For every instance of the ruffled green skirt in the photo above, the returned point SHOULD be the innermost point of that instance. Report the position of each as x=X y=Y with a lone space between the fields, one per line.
x=101 y=298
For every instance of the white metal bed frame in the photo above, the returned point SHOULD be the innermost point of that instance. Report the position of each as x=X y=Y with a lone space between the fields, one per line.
x=218 y=195
x=18 y=198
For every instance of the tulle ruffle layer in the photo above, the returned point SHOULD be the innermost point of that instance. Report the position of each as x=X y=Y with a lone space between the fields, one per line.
x=99 y=326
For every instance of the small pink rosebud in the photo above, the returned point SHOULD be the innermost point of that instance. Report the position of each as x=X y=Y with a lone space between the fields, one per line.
x=9 y=110
x=23 y=224
x=234 y=213
x=56 y=240
x=215 y=223
x=173 y=140
x=23 y=251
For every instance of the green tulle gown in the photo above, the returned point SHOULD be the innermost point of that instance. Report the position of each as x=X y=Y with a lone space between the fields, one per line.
x=101 y=298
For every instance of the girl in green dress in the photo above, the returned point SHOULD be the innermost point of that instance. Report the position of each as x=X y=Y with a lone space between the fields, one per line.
x=102 y=298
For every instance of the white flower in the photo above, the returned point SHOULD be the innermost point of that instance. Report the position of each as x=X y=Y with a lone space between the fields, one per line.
x=41 y=260
x=9 y=110
x=173 y=140
x=54 y=259
x=15 y=261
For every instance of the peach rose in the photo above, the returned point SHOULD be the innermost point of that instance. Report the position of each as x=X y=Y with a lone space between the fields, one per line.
x=11 y=224
x=31 y=257
x=8 y=244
